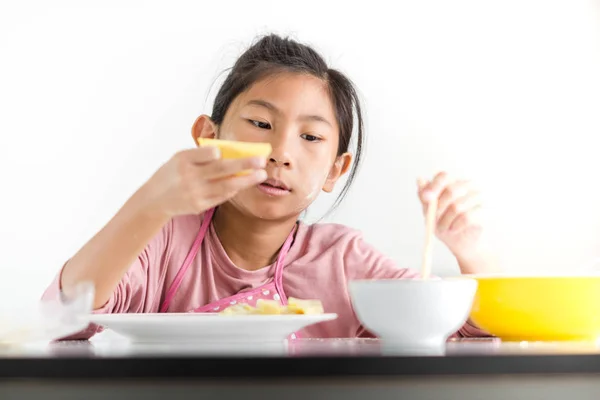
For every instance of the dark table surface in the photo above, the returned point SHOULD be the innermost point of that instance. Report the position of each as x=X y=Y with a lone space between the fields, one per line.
x=344 y=358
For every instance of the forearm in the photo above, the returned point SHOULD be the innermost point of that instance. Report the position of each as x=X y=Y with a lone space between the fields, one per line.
x=105 y=258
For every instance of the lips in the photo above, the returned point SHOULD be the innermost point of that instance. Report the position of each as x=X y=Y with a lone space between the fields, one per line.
x=274 y=188
x=277 y=184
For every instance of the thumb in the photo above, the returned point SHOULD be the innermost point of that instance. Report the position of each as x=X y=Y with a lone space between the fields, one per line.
x=424 y=195
x=421 y=183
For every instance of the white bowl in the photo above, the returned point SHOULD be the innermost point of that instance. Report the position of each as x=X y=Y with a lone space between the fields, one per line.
x=417 y=314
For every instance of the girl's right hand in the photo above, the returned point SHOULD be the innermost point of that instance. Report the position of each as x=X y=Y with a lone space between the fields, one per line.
x=196 y=180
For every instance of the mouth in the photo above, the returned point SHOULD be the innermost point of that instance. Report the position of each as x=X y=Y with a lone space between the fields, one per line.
x=274 y=187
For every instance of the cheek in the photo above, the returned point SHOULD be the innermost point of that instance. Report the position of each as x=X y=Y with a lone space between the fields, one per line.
x=311 y=182
x=228 y=131
x=314 y=170
x=240 y=131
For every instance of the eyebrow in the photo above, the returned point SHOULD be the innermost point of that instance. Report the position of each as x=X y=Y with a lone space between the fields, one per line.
x=271 y=107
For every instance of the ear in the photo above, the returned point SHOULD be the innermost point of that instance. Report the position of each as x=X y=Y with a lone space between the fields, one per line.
x=340 y=167
x=204 y=127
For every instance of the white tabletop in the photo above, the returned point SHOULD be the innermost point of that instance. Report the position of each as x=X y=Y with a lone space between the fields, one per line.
x=110 y=344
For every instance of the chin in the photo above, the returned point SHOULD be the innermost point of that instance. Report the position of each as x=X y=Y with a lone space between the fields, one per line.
x=272 y=212
x=268 y=209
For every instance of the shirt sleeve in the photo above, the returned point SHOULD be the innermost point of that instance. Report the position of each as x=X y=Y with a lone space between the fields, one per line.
x=138 y=291
x=363 y=261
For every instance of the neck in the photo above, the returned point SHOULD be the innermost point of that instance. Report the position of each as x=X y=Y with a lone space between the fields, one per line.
x=251 y=243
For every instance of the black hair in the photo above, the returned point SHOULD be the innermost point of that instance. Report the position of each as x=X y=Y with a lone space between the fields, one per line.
x=273 y=54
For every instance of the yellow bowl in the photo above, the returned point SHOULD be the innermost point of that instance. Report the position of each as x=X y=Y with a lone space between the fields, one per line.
x=549 y=308
x=233 y=149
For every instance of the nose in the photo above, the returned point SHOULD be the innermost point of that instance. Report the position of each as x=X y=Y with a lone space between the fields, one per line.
x=279 y=162
x=281 y=157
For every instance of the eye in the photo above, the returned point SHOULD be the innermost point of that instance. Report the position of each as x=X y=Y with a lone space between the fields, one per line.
x=310 y=138
x=260 y=124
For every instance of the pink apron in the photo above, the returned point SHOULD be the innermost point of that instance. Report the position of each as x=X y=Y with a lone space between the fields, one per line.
x=273 y=290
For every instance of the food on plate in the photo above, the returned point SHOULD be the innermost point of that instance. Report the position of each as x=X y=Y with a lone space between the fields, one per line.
x=272 y=307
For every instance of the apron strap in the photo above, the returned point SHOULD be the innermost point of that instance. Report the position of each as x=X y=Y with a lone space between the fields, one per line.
x=279 y=265
x=188 y=260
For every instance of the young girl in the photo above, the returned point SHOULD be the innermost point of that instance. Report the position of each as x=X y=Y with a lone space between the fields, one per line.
x=197 y=237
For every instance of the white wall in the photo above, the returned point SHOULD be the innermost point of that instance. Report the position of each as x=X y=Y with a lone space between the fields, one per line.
x=94 y=96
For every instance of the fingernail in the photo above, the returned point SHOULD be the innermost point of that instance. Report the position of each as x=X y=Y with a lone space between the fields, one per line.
x=261 y=174
x=216 y=152
x=259 y=162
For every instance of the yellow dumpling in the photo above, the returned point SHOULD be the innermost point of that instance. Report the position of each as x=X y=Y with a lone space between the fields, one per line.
x=239 y=309
x=232 y=149
x=269 y=307
x=272 y=307
x=297 y=306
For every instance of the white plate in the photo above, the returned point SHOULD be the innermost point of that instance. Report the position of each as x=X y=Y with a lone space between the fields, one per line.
x=197 y=327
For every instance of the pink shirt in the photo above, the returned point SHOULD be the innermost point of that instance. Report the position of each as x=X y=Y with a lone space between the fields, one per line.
x=323 y=258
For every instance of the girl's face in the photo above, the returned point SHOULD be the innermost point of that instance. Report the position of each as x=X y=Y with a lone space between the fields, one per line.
x=294 y=113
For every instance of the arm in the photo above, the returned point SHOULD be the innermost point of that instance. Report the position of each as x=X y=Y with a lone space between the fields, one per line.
x=190 y=183
x=137 y=291
x=119 y=247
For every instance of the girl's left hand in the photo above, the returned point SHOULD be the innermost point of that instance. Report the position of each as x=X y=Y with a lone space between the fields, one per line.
x=459 y=222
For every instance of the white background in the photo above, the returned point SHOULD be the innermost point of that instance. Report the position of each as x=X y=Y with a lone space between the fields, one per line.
x=94 y=96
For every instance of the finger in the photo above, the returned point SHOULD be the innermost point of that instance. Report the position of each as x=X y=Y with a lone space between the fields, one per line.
x=421 y=184
x=456 y=209
x=226 y=188
x=453 y=192
x=469 y=220
x=225 y=168
x=201 y=155
x=434 y=188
